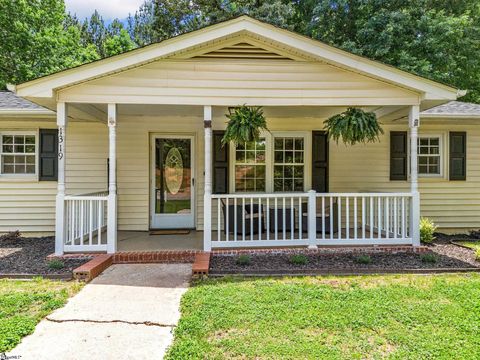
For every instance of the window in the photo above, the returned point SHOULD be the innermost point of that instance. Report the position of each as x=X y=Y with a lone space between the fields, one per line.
x=288 y=170
x=250 y=166
x=430 y=155
x=278 y=162
x=18 y=154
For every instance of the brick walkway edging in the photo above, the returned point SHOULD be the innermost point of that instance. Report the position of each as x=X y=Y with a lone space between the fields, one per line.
x=201 y=259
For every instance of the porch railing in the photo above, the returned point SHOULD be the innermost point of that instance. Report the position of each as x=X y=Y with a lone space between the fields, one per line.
x=85 y=222
x=311 y=219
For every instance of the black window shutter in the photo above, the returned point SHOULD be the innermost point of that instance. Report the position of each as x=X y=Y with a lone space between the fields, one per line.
x=219 y=164
x=458 y=155
x=48 y=159
x=320 y=161
x=398 y=155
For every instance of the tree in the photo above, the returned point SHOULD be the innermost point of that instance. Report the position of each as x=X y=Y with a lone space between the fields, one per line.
x=435 y=39
x=118 y=43
x=35 y=41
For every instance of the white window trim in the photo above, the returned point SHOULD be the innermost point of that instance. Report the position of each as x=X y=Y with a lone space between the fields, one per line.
x=37 y=151
x=269 y=160
x=443 y=155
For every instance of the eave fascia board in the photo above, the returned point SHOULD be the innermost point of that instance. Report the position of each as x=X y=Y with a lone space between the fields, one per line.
x=449 y=116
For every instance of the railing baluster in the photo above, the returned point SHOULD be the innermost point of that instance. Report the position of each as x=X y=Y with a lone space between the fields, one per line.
x=292 y=219
x=403 y=218
x=243 y=219
x=100 y=225
x=331 y=217
x=395 y=217
x=379 y=215
x=90 y=232
x=219 y=221
x=355 y=218
x=235 y=219
x=227 y=218
x=371 y=227
x=347 y=217
x=339 y=208
x=363 y=217
x=276 y=218
x=387 y=217
x=252 y=217
x=284 y=219
x=323 y=217
x=260 y=214
x=300 y=235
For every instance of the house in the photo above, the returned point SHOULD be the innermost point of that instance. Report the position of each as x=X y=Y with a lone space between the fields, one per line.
x=132 y=143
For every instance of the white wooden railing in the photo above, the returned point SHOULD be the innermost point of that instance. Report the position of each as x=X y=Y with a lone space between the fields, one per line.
x=311 y=219
x=85 y=222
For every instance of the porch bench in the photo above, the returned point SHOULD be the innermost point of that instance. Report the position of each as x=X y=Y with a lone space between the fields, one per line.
x=252 y=218
x=319 y=219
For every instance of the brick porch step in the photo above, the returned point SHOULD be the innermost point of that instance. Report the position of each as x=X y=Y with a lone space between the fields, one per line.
x=93 y=268
x=201 y=264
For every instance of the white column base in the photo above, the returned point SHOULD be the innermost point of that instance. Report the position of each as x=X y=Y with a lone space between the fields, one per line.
x=59 y=224
x=112 y=224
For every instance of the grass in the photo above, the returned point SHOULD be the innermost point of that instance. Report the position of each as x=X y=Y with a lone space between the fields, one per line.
x=369 y=317
x=475 y=245
x=24 y=303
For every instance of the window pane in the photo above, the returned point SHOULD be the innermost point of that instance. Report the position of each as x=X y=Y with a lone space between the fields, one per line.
x=299 y=157
x=423 y=150
x=7 y=139
x=433 y=141
x=19 y=169
x=30 y=169
x=279 y=156
x=260 y=185
x=298 y=144
x=278 y=185
x=8 y=148
x=240 y=156
x=8 y=169
x=260 y=158
x=30 y=149
x=422 y=169
x=19 y=139
x=288 y=144
x=298 y=185
x=288 y=157
x=8 y=159
x=278 y=143
x=260 y=172
x=250 y=157
x=29 y=139
x=298 y=172
x=19 y=148
x=423 y=141
x=278 y=171
x=261 y=145
x=434 y=169
x=20 y=159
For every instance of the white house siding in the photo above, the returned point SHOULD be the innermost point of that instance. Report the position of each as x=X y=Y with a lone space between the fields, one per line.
x=232 y=82
x=29 y=205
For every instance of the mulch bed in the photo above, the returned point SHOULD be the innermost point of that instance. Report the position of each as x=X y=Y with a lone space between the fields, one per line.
x=449 y=257
x=27 y=256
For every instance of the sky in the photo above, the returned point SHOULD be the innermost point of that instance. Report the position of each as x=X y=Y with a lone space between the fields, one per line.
x=109 y=9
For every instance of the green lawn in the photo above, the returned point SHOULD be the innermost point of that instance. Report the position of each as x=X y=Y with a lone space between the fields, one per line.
x=472 y=245
x=370 y=317
x=24 y=303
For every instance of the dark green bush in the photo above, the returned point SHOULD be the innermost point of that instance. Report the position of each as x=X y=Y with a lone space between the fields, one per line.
x=298 y=259
x=429 y=258
x=363 y=259
x=244 y=260
x=56 y=264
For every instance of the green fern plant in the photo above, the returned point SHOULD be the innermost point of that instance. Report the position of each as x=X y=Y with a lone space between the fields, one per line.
x=354 y=126
x=244 y=125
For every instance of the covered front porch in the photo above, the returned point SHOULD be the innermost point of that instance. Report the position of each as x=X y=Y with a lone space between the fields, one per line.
x=225 y=219
x=120 y=118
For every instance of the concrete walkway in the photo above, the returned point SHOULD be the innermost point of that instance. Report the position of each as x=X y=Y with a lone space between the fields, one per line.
x=128 y=312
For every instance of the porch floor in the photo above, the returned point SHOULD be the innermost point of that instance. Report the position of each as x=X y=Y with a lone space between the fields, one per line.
x=143 y=241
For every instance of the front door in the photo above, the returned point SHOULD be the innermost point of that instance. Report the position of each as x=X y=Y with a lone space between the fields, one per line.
x=172 y=193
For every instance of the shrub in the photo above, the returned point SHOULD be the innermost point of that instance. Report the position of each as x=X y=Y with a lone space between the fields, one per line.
x=429 y=258
x=244 y=260
x=427 y=228
x=363 y=259
x=477 y=255
x=298 y=259
x=56 y=264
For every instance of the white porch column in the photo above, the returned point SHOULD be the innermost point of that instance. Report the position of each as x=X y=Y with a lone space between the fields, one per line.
x=112 y=183
x=60 y=199
x=414 y=123
x=207 y=197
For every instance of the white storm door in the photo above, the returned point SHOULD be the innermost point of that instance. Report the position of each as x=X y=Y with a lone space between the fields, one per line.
x=172 y=182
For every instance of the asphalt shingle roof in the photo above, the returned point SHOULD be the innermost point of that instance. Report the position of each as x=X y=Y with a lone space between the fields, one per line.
x=455 y=108
x=9 y=100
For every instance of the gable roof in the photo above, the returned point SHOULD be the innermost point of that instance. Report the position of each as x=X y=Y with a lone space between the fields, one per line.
x=243 y=25
x=456 y=109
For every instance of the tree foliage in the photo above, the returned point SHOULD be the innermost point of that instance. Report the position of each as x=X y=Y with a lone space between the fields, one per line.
x=437 y=39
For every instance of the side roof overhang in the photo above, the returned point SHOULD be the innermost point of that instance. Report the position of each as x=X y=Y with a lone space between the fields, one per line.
x=430 y=92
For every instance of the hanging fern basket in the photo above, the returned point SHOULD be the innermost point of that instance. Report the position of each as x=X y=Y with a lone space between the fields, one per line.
x=354 y=126
x=244 y=125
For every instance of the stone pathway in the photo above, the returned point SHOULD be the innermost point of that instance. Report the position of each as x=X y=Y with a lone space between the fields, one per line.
x=128 y=312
